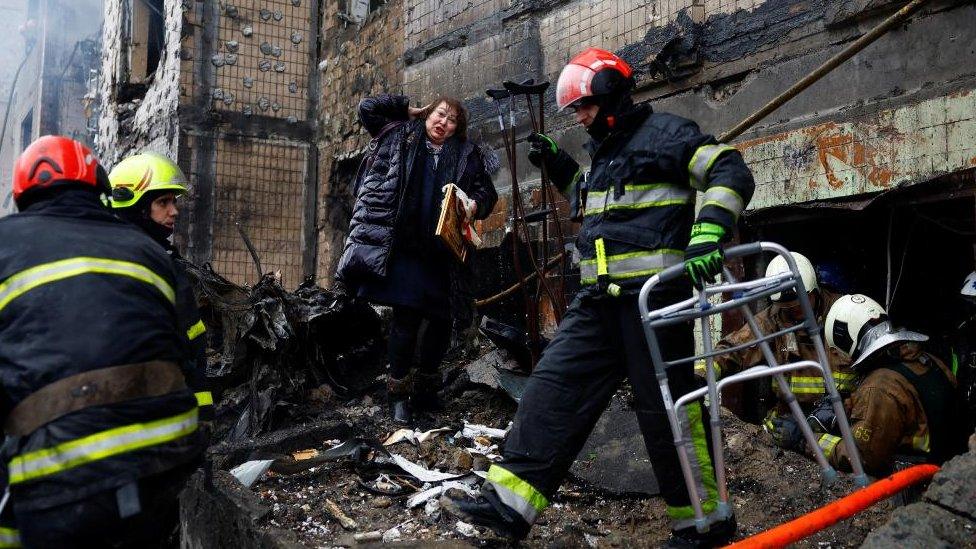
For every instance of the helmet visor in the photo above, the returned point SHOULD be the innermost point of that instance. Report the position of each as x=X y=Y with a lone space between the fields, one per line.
x=880 y=336
x=575 y=83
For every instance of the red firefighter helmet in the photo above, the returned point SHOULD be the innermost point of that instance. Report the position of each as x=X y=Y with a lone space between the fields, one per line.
x=55 y=160
x=592 y=73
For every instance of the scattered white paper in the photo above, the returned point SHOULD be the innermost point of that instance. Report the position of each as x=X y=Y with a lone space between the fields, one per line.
x=393 y=534
x=421 y=473
x=250 y=471
x=472 y=430
x=415 y=437
x=465 y=529
x=428 y=495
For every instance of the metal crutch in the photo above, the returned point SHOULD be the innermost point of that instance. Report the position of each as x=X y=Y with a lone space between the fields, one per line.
x=698 y=308
x=530 y=316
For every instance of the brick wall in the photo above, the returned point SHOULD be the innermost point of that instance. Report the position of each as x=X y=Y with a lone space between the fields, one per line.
x=427 y=20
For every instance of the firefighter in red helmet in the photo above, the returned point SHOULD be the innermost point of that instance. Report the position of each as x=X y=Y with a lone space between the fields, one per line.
x=101 y=428
x=637 y=203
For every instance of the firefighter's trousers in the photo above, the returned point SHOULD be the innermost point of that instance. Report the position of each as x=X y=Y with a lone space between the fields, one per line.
x=600 y=342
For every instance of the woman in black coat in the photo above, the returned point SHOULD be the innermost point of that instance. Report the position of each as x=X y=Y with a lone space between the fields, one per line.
x=392 y=256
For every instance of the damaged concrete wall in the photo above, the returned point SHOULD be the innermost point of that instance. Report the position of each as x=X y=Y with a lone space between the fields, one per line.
x=357 y=60
x=258 y=114
x=231 y=102
x=133 y=120
x=716 y=61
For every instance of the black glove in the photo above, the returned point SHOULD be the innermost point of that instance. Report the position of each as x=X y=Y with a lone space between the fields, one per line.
x=785 y=431
x=823 y=419
x=541 y=149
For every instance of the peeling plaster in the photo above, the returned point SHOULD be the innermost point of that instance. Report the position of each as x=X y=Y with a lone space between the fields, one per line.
x=153 y=126
x=894 y=147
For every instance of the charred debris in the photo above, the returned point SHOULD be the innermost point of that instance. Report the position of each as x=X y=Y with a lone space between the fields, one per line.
x=304 y=452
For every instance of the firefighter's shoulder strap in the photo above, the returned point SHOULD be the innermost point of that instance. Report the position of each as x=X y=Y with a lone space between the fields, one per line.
x=940 y=405
x=93 y=388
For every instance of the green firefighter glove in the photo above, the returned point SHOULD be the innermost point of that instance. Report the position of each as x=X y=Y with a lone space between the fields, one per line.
x=703 y=256
x=541 y=148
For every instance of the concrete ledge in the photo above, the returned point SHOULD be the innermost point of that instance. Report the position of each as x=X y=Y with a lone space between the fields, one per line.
x=227 y=515
x=945 y=518
x=922 y=526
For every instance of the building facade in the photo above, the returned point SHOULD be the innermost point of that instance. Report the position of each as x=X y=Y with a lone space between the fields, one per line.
x=224 y=89
x=872 y=167
x=53 y=49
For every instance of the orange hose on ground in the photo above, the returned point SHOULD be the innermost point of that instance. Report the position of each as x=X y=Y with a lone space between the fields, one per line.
x=846 y=507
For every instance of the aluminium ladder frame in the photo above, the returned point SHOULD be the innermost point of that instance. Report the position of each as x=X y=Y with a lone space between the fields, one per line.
x=740 y=295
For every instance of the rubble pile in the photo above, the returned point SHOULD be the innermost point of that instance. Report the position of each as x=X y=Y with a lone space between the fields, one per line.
x=357 y=478
x=283 y=356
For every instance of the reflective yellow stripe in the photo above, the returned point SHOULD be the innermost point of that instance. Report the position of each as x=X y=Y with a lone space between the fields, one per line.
x=204 y=398
x=725 y=198
x=516 y=493
x=921 y=442
x=195 y=330
x=845 y=382
x=571 y=186
x=630 y=265
x=28 y=279
x=701 y=465
x=9 y=537
x=601 y=258
x=827 y=443
x=702 y=162
x=637 y=197
x=810 y=385
x=119 y=440
x=700 y=369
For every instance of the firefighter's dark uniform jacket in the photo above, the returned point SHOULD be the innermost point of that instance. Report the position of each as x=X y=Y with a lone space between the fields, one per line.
x=638 y=208
x=81 y=290
x=191 y=327
x=905 y=406
x=193 y=331
x=638 y=200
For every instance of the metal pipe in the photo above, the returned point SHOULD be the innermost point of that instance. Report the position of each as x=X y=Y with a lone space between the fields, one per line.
x=511 y=289
x=832 y=63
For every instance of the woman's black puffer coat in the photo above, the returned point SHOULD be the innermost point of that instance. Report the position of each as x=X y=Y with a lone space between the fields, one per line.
x=380 y=189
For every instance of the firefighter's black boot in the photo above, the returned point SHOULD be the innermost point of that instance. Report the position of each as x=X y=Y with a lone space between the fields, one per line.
x=721 y=533
x=488 y=511
x=398 y=391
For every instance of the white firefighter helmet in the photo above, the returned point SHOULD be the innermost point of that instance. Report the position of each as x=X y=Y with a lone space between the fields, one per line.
x=858 y=326
x=807 y=274
x=969 y=286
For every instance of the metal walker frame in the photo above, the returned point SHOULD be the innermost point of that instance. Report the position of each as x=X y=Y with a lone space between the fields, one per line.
x=738 y=296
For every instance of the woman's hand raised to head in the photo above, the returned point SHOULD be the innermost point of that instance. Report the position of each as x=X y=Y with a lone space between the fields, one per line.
x=416 y=112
